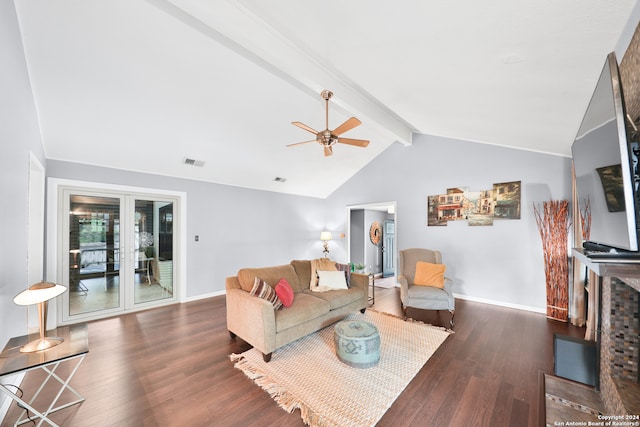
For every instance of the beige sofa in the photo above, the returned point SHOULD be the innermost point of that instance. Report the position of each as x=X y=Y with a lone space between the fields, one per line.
x=256 y=322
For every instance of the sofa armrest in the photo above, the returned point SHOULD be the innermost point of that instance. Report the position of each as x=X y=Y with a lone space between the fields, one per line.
x=232 y=283
x=404 y=288
x=252 y=319
x=448 y=285
x=361 y=282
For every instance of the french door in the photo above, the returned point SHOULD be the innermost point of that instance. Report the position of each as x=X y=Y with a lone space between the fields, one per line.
x=117 y=252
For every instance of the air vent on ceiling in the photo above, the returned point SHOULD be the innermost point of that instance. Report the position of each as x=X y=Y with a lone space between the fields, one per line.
x=193 y=162
x=279 y=179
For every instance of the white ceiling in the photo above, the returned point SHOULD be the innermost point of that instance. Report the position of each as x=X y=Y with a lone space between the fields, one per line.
x=142 y=85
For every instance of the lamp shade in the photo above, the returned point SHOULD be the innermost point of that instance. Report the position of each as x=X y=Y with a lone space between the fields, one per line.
x=325 y=235
x=39 y=292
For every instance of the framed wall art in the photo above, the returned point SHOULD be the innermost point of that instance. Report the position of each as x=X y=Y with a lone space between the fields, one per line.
x=478 y=208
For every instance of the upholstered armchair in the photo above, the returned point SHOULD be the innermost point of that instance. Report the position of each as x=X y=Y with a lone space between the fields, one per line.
x=425 y=297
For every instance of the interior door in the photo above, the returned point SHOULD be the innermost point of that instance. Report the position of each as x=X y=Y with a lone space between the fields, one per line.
x=388 y=248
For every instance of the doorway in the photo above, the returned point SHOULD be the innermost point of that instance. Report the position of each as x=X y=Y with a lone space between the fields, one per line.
x=116 y=252
x=378 y=256
x=388 y=248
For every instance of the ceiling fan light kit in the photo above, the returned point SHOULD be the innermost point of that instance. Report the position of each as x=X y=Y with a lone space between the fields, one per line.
x=328 y=138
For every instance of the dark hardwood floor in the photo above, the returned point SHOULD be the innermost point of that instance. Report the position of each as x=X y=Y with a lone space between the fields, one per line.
x=170 y=367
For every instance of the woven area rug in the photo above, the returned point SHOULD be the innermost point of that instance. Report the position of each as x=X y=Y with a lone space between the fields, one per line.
x=307 y=375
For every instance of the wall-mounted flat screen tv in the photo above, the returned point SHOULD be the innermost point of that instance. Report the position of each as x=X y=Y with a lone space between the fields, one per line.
x=605 y=164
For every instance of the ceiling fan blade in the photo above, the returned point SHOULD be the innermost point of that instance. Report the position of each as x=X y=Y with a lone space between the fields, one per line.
x=349 y=124
x=328 y=150
x=305 y=127
x=356 y=142
x=300 y=143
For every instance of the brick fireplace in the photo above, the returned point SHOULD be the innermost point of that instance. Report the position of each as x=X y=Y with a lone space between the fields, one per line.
x=620 y=341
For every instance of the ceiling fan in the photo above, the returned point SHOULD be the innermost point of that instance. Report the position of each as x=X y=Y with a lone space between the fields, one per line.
x=328 y=138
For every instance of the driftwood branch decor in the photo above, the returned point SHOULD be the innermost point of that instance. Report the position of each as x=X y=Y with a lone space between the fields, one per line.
x=553 y=224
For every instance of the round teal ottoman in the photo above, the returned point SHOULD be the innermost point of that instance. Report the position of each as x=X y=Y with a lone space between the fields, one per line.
x=357 y=343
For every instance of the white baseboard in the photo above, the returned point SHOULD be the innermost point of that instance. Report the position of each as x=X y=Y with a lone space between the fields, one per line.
x=459 y=296
x=501 y=303
x=203 y=296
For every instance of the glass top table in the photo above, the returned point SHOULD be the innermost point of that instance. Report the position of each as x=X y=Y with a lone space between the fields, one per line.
x=74 y=348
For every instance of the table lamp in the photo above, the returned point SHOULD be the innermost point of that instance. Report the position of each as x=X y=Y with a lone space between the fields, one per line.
x=39 y=293
x=325 y=236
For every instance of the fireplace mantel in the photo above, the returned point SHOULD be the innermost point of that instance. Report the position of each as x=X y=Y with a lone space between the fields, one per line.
x=613 y=313
x=627 y=270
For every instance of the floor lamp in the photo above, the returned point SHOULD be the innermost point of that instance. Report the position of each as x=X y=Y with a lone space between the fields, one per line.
x=39 y=293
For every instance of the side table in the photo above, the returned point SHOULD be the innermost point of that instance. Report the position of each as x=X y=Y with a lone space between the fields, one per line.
x=73 y=349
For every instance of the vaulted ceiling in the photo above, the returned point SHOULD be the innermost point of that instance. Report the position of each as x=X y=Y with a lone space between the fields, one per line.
x=143 y=85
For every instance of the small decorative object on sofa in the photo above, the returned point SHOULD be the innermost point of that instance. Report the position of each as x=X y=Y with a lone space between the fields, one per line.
x=256 y=321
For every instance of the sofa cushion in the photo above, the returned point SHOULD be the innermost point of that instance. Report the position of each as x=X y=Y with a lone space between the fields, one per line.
x=330 y=280
x=347 y=272
x=261 y=289
x=303 y=270
x=427 y=293
x=323 y=264
x=339 y=297
x=429 y=274
x=246 y=276
x=285 y=292
x=305 y=308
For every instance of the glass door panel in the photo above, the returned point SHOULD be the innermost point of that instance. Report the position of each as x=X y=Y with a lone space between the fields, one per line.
x=153 y=251
x=94 y=254
x=116 y=252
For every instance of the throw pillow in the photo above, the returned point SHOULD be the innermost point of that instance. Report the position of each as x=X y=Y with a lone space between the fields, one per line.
x=285 y=292
x=347 y=272
x=261 y=289
x=428 y=274
x=324 y=264
x=332 y=279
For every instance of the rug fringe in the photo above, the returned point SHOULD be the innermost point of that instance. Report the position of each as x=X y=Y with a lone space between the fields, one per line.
x=283 y=398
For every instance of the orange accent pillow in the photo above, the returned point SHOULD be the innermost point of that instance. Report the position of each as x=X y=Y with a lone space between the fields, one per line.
x=428 y=274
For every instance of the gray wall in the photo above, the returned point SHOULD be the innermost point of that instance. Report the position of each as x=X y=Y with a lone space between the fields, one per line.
x=19 y=134
x=356 y=234
x=237 y=227
x=501 y=263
